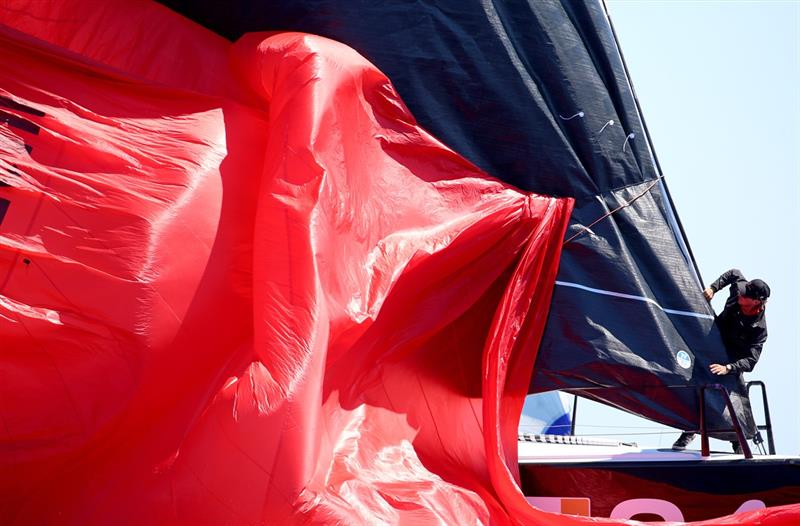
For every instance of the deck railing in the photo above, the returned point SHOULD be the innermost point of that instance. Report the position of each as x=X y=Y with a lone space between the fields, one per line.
x=736 y=426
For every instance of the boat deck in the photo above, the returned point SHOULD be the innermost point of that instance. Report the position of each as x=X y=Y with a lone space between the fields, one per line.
x=555 y=449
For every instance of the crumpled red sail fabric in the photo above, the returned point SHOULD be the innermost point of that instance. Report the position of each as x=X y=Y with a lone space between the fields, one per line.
x=270 y=311
x=239 y=285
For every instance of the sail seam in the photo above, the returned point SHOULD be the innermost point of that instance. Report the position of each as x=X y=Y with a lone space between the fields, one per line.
x=634 y=297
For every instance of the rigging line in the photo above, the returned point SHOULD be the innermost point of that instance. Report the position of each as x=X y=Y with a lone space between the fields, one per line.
x=617 y=209
x=607 y=427
x=623 y=434
x=653 y=429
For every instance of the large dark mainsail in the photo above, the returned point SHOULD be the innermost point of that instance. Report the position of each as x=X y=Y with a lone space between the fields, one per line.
x=536 y=94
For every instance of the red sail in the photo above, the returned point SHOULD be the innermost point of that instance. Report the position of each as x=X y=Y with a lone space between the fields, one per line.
x=241 y=286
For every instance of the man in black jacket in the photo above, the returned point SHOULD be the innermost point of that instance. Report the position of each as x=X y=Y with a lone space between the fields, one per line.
x=743 y=327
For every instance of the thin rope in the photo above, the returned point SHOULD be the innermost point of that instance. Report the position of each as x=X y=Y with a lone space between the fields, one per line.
x=625 y=434
x=579 y=114
x=585 y=426
x=609 y=123
x=630 y=137
x=620 y=207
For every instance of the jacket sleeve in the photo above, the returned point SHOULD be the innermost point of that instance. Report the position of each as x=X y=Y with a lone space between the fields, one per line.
x=746 y=364
x=726 y=279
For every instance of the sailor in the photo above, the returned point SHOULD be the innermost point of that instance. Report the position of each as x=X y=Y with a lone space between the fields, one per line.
x=743 y=327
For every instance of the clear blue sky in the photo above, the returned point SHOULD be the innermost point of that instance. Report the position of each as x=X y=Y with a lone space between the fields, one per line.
x=719 y=86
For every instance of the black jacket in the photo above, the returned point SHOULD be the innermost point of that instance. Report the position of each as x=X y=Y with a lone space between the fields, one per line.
x=744 y=336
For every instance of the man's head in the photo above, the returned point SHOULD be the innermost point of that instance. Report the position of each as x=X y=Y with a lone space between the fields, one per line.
x=755 y=296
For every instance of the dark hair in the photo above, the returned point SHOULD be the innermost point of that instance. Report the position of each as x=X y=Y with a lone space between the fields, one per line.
x=757 y=289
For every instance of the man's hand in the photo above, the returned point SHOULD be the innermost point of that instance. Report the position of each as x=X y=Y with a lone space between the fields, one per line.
x=708 y=293
x=719 y=369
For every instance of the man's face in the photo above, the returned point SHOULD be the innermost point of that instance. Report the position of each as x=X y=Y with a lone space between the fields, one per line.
x=751 y=306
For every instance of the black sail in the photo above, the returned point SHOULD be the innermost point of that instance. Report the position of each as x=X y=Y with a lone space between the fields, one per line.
x=537 y=94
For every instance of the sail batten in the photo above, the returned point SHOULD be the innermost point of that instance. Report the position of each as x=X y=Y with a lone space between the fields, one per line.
x=638 y=298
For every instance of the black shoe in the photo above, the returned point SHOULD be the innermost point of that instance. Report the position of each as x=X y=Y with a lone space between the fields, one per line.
x=737 y=448
x=684 y=440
